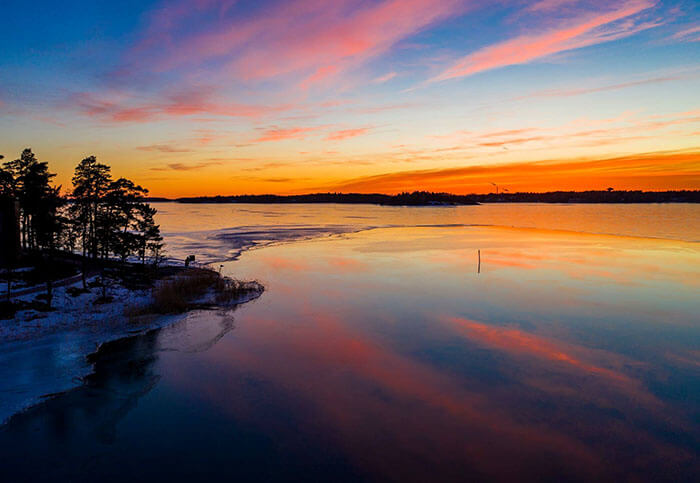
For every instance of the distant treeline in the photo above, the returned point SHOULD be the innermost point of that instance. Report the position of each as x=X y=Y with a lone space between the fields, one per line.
x=607 y=196
x=425 y=198
x=415 y=198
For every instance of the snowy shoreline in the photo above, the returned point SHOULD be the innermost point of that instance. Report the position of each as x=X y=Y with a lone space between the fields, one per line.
x=46 y=353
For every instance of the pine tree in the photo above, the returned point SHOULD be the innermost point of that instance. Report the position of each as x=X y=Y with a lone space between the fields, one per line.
x=111 y=217
x=123 y=201
x=149 y=237
x=28 y=180
x=7 y=182
x=90 y=184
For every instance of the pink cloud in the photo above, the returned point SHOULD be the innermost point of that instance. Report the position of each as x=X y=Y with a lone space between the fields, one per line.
x=586 y=30
x=125 y=108
x=301 y=43
x=690 y=34
x=549 y=5
x=278 y=134
x=384 y=78
x=321 y=74
x=311 y=40
x=346 y=133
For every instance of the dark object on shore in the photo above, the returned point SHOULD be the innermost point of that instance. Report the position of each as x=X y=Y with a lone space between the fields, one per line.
x=189 y=259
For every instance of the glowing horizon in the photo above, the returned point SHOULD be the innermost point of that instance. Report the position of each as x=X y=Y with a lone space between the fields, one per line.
x=204 y=97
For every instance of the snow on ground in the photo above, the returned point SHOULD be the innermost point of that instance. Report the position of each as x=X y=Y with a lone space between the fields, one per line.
x=70 y=312
x=42 y=353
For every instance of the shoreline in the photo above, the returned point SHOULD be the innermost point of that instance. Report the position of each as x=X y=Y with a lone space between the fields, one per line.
x=43 y=355
x=434 y=199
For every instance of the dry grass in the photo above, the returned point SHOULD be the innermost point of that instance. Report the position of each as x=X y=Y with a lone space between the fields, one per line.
x=173 y=295
x=176 y=294
x=228 y=290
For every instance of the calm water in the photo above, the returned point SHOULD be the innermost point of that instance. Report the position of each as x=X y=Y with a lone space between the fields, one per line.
x=570 y=353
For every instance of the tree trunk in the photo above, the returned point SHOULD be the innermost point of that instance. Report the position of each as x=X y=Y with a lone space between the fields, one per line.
x=24 y=231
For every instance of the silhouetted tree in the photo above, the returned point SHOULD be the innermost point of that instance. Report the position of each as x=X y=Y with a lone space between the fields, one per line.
x=149 y=238
x=6 y=193
x=28 y=181
x=48 y=223
x=105 y=217
x=7 y=182
x=123 y=202
x=90 y=184
x=111 y=217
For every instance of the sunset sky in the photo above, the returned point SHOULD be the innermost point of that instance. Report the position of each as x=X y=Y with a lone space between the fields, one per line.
x=202 y=97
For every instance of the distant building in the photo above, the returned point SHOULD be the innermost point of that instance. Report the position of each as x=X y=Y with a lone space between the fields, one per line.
x=9 y=232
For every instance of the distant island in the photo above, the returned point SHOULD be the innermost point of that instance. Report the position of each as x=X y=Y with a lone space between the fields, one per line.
x=426 y=198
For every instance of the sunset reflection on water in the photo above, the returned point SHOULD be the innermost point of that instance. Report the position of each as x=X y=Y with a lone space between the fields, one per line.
x=389 y=346
x=389 y=354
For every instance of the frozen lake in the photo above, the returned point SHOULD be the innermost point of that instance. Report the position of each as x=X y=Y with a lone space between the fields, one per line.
x=383 y=350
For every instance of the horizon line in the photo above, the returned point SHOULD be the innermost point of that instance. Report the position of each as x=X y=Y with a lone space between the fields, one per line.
x=443 y=193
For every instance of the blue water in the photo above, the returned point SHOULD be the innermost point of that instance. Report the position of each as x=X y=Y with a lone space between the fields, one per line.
x=393 y=354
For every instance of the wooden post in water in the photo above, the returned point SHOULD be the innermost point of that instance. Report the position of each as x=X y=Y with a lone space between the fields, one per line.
x=478 y=267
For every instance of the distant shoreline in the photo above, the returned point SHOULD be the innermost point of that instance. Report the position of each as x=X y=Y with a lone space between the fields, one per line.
x=423 y=198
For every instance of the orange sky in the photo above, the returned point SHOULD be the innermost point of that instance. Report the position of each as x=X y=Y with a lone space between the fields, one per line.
x=652 y=171
x=191 y=97
x=649 y=171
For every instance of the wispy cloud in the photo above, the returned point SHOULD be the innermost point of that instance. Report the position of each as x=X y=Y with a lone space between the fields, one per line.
x=584 y=30
x=346 y=133
x=310 y=40
x=121 y=107
x=608 y=87
x=588 y=131
x=185 y=167
x=164 y=148
x=279 y=134
x=548 y=5
x=384 y=78
x=690 y=34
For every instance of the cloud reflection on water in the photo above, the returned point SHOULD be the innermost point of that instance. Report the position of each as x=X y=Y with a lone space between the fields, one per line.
x=531 y=372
